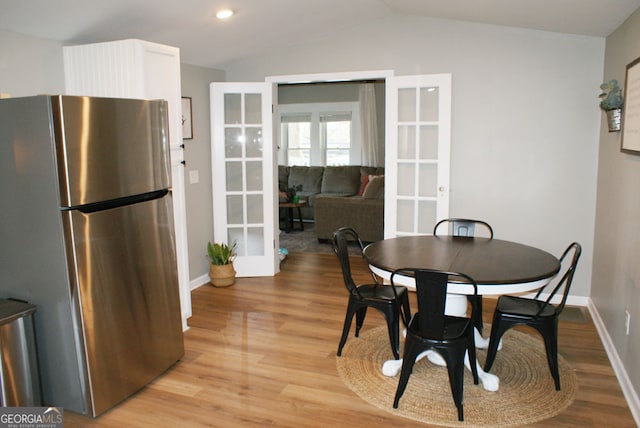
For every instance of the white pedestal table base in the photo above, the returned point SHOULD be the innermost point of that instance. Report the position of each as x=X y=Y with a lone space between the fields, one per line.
x=456 y=306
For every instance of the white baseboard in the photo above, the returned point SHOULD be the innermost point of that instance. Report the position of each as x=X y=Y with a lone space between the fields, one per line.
x=199 y=281
x=618 y=367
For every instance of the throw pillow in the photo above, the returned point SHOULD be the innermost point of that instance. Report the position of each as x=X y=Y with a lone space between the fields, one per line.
x=364 y=180
x=375 y=188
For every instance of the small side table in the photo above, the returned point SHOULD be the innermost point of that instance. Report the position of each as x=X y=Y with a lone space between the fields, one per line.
x=289 y=206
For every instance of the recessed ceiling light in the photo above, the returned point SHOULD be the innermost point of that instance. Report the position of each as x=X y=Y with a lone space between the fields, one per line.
x=224 y=14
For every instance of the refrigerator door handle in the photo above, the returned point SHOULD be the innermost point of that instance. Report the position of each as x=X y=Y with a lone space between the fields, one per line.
x=121 y=202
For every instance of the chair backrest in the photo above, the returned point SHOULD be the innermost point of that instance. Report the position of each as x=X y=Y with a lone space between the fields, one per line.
x=341 y=248
x=431 y=293
x=564 y=277
x=463 y=226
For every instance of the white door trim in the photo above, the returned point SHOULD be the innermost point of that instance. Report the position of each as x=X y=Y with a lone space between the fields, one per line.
x=345 y=76
x=331 y=77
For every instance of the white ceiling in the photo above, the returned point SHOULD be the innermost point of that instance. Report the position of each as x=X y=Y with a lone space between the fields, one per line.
x=260 y=25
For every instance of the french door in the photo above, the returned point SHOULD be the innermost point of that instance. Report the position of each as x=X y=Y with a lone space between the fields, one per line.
x=417 y=157
x=417 y=153
x=243 y=167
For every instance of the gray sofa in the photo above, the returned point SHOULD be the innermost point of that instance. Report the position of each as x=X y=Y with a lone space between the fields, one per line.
x=332 y=194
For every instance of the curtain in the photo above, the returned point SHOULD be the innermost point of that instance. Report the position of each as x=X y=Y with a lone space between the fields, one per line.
x=371 y=151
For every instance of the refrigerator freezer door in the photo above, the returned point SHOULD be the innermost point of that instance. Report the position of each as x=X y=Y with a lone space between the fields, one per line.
x=108 y=148
x=125 y=285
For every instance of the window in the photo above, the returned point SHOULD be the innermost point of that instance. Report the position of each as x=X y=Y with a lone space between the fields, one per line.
x=335 y=137
x=319 y=134
x=295 y=133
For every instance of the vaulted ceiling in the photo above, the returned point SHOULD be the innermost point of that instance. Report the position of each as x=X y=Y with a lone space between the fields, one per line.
x=260 y=25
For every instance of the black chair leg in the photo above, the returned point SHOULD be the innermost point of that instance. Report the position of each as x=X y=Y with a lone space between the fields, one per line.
x=473 y=359
x=409 y=359
x=361 y=313
x=550 y=337
x=478 y=321
x=406 y=309
x=393 y=326
x=497 y=330
x=476 y=302
x=455 y=366
x=345 y=329
x=352 y=309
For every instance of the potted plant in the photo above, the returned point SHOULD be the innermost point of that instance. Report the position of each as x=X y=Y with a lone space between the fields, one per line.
x=291 y=193
x=221 y=271
x=611 y=102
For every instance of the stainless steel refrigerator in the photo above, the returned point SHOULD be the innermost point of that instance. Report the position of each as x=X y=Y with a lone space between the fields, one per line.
x=87 y=236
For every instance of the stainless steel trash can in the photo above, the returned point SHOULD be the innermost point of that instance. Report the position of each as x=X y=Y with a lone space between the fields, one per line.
x=19 y=376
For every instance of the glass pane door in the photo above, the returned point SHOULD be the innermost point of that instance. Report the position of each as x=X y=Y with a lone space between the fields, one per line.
x=417 y=153
x=242 y=162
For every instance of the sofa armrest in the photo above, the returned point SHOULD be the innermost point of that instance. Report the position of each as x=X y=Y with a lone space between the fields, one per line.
x=364 y=215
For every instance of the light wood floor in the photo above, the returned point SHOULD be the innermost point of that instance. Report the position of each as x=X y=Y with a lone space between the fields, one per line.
x=263 y=352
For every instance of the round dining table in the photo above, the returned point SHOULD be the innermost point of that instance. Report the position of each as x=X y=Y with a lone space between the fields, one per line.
x=498 y=266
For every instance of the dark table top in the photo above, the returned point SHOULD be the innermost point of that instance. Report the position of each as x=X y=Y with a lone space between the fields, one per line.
x=488 y=261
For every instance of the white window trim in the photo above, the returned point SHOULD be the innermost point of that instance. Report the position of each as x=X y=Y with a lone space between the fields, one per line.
x=316 y=109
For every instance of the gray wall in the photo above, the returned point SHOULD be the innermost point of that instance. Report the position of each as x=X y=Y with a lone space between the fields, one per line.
x=197 y=155
x=318 y=93
x=524 y=111
x=30 y=66
x=616 y=271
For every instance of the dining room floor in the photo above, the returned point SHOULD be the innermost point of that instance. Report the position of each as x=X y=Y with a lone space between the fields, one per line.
x=263 y=353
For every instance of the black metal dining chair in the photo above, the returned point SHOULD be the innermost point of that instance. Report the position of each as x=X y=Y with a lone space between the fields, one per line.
x=463 y=227
x=467 y=228
x=542 y=315
x=391 y=301
x=430 y=329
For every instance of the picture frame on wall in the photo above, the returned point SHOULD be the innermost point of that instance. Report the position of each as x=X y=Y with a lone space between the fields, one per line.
x=187 y=122
x=630 y=142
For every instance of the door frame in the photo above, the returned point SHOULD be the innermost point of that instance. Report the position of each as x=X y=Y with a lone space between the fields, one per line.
x=346 y=76
x=386 y=76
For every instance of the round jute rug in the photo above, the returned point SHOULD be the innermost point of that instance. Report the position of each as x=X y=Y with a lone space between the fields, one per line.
x=527 y=393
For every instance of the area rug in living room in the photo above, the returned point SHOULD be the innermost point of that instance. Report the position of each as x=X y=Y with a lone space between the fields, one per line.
x=527 y=392
x=306 y=241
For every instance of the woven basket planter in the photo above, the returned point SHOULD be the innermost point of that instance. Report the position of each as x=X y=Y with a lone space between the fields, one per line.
x=222 y=275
